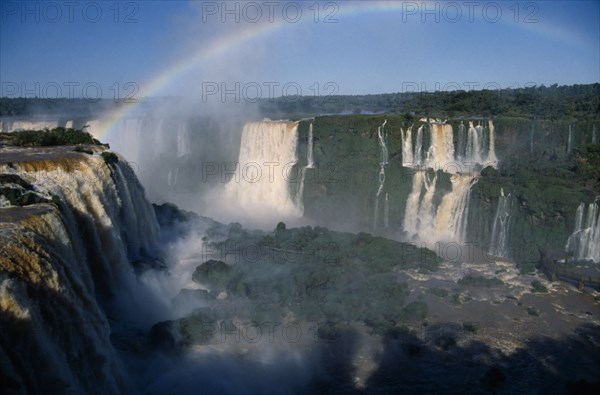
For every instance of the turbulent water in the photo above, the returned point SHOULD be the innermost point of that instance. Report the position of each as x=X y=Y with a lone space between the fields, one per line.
x=76 y=253
x=584 y=243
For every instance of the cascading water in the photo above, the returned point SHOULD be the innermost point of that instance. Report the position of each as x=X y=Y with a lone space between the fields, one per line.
x=452 y=214
x=381 y=175
x=448 y=220
x=474 y=146
x=263 y=174
x=441 y=153
x=418 y=155
x=500 y=228
x=570 y=141
x=309 y=156
x=441 y=150
x=76 y=252
x=492 y=159
x=309 y=165
x=407 y=147
x=584 y=242
x=420 y=212
x=594 y=136
x=462 y=143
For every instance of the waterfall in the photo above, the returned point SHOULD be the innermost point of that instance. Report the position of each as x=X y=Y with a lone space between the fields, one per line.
x=594 y=136
x=441 y=153
x=452 y=214
x=418 y=156
x=441 y=150
x=309 y=165
x=263 y=176
x=492 y=159
x=407 y=147
x=74 y=252
x=447 y=220
x=584 y=242
x=309 y=159
x=474 y=146
x=381 y=174
x=500 y=228
x=419 y=212
x=570 y=141
x=411 y=220
x=462 y=144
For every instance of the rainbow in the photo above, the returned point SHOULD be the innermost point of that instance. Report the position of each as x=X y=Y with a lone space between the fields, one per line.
x=221 y=46
x=230 y=42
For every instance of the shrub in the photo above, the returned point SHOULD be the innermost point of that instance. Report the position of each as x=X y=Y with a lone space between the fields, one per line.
x=478 y=281
x=532 y=311
x=51 y=137
x=212 y=272
x=439 y=292
x=110 y=158
x=538 y=287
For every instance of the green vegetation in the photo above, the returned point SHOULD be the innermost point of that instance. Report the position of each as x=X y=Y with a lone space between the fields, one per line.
x=84 y=150
x=471 y=327
x=455 y=299
x=110 y=158
x=537 y=286
x=212 y=272
x=478 y=281
x=439 y=292
x=533 y=311
x=28 y=107
x=49 y=137
x=552 y=102
x=312 y=274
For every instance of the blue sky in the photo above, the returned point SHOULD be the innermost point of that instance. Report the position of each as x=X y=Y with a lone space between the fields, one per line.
x=370 y=47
